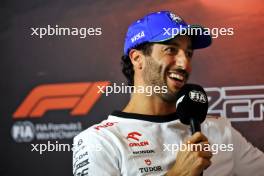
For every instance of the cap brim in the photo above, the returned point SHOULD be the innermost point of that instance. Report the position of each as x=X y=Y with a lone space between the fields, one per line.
x=200 y=40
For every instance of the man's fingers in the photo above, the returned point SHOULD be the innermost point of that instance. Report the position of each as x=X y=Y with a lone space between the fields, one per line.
x=207 y=163
x=205 y=154
x=203 y=163
x=197 y=137
x=204 y=143
x=202 y=146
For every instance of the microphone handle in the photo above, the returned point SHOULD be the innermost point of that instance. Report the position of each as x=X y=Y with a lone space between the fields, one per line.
x=195 y=127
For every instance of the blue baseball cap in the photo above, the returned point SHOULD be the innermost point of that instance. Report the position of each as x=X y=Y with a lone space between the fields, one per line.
x=162 y=26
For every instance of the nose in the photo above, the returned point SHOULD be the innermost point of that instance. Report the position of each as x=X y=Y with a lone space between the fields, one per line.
x=182 y=60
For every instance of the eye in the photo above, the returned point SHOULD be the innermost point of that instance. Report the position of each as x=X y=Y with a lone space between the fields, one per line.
x=189 y=53
x=171 y=50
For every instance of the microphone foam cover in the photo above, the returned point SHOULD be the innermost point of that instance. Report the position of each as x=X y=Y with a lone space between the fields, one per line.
x=192 y=103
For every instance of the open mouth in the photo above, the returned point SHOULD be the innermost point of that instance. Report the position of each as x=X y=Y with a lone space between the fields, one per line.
x=176 y=76
x=175 y=79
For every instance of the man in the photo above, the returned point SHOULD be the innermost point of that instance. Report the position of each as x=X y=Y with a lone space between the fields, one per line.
x=142 y=138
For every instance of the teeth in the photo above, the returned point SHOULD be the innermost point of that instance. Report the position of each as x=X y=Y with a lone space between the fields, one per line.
x=177 y=76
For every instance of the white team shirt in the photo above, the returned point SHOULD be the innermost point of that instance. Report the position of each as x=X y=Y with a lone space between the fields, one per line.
x=129 y=144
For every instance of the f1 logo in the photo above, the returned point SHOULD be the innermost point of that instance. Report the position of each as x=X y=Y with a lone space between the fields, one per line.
x=79 y=97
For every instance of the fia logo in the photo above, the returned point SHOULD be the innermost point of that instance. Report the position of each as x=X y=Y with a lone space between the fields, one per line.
x=197 y=96
x=23 y=131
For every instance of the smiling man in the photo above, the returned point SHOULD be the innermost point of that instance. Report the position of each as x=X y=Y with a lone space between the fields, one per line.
x=145 y=138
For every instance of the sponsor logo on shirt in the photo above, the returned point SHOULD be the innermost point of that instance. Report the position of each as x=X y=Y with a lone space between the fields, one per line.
x=108 y=124
x=149 y=168
x=83 y=172
x=143 y=152
x=135 y=137
x=138 y=144
x=77 y=150
x=148 y=162
x=80 y=157
x=80 y=142
x=82 y=164
x=80 y=169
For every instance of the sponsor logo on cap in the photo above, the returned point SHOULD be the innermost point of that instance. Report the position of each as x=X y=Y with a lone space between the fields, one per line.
x=138 y=36
x=175 y=18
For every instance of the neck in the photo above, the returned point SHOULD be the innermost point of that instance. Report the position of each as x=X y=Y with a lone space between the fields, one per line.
x=149 y=105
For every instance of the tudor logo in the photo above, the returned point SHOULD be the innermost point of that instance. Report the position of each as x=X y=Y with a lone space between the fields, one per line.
x=148 y=162
x=197 y=96
x=150 y=168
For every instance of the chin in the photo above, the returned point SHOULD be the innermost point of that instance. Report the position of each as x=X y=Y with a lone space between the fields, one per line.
x=174 y=89
x=170 y=96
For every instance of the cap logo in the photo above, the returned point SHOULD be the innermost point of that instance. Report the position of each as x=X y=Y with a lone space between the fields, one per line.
x=138 y=36
x=175 y=18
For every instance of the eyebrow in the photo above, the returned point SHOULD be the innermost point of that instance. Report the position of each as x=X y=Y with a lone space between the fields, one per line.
x=176 y=44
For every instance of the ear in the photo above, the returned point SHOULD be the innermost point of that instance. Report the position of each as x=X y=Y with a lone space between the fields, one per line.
x=136 y=58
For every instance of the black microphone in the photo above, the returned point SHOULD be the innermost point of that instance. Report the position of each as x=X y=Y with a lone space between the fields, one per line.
x=192 y=106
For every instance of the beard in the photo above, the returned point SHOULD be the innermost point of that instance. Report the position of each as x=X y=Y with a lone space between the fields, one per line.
x=155 y=74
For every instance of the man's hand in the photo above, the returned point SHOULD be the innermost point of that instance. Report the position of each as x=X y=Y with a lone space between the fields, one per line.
x=192 y=162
